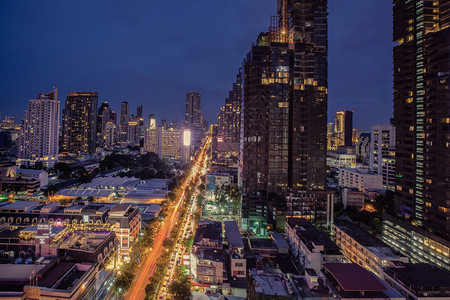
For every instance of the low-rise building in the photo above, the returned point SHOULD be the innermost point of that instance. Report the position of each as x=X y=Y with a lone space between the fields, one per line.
x=418 y=281
x=208 y=266
x=208 y=235
x=126 y=220
x=350 y=281
x=361 y=179
x=267 y=248
x=364 y=249
x=310 y=246
x=238 y=264
x=339 y=160
x=268 y=285
x=352 y=197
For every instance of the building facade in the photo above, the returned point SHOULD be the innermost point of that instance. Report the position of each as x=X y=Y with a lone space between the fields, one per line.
x=194 y=118
x=361 y=179
x=343 y=127
x=422 y=112
x=40 y=129
x=80 y=122
x=284 y=112
x=382 y=154
x=420 y=245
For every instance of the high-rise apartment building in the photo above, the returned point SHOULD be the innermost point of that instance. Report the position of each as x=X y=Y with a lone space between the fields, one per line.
x=194 y=117
x=151 y=140
x=169 y=142
x=422 y=111
x=103 y=117
x=284 y=116
x=133 y=132
x=229 y=124
x=111 y=134
x=39 y=132
x=80 y=122
x=343 y=127
x=382 y=153
x=124 y=112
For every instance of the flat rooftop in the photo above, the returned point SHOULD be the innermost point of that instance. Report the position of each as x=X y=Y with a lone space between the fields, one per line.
x=279 y=239
x=271 y=284
x=420 y=275
x=362 y=237
x=20 y=205
x=233 y=235
x=352 y=277
x=18 y=272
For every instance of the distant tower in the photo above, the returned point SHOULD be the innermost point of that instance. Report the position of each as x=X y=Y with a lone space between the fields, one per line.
x=103 y=117
x=39 y=135
x=80 y=122
x=194 y=117
x=139 y=111
x=343 y=126
x=152 y=122
x=124 y=112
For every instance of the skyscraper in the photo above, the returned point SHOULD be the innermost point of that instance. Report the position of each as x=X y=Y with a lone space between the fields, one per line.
x=80 y=122
x=421 y=111
x=124 y=112
x=194 y=114
x=139 y=111
x=40 y=128
x=194 y=117
x=229 y=122
x=343 y=127
x=103 y=117
x=284 y=116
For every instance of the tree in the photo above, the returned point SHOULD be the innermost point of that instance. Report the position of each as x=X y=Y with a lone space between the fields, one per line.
x=188 y=243
x=180 y=289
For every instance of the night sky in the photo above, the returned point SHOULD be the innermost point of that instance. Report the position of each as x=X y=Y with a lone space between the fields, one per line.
x=153 y=52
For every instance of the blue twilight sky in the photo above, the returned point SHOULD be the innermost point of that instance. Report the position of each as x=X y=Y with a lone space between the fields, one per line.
x=153 y=52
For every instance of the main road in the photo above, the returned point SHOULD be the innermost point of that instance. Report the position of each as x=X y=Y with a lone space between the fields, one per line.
x=148 y=263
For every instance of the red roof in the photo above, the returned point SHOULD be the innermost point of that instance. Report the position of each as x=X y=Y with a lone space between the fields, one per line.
x=352 y=277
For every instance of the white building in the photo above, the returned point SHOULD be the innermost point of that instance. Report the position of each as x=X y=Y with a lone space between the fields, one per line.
x=341 y=160
x=364 y=249
x=310 y=246
x=111 y=132
x=382 y=153
x=360 y=179
x=39 y=136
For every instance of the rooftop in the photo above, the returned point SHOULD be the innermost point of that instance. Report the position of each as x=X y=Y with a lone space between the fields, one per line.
x=279 y=239
x=271 y=284
x=263 y=244
x=233 y=235
x=210 y=254
x=413 y=275
x=361 y=236
x=20 y=205
x=13 y=272
x=352 y=277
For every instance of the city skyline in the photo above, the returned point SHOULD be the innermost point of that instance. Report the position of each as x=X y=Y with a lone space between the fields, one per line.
x=122 y=69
